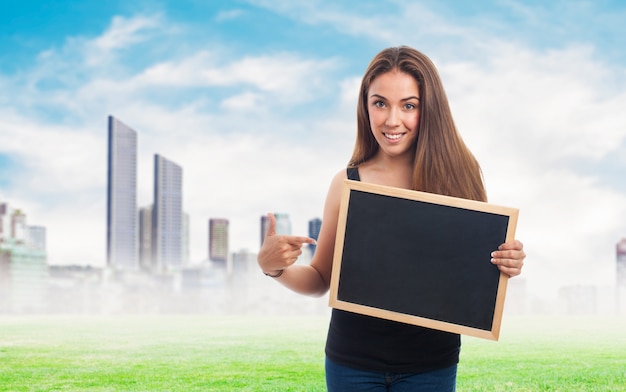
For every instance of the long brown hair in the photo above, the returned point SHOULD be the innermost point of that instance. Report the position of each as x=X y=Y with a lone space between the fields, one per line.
x=443 y=163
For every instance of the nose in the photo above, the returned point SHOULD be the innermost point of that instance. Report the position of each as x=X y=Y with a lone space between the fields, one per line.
x=393 y=118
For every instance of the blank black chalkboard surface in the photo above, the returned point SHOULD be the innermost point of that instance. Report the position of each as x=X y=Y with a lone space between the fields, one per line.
x=420 y=258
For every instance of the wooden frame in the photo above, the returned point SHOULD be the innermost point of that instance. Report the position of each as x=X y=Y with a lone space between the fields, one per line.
x=420 y=258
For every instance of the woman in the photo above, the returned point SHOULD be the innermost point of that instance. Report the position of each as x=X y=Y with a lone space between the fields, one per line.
x=406 y=138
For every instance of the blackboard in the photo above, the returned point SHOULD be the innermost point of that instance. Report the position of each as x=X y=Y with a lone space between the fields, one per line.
x=420 y=258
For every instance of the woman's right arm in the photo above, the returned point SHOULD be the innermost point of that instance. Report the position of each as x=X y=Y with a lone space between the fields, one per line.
x=280 y=252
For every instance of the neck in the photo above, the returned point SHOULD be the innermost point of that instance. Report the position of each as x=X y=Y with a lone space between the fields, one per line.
x=385 y=170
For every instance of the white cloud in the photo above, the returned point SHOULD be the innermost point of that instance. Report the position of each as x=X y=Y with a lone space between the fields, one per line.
x=283 y=74
x=124 y=32
x=53 y=156
x=533 y=118
x=247 y=101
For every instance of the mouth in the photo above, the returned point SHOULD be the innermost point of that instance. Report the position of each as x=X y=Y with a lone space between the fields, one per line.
x=393 y=136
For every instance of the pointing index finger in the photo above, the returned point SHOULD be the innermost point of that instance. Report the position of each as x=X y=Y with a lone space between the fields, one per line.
x=297 y=240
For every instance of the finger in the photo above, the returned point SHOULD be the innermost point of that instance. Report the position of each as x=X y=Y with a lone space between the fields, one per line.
x=299 y=241
x=514 y=262
x=511 y=245
x=508 y=254
x=271 y=230
x=509 y=271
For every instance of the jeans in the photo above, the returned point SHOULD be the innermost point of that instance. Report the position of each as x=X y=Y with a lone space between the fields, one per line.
x=340 y=378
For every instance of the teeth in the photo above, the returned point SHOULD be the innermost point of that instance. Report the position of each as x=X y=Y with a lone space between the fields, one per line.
x=393 y=136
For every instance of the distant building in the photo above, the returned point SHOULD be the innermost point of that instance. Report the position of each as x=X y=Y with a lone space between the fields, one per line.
x=315 y=226
x=218 y=240
x=18 y=226
x=145 y=238
x=36 y=237
x=23 y=261
x=122 y=244
x=243 y=260
x=5 y=222
x=265 y=224
x=146 y=259
x=167 y=214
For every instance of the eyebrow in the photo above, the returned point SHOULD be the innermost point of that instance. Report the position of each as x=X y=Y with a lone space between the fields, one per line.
x=403 y=99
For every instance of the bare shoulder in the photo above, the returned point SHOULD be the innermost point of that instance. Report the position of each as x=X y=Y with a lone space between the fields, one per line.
x=339 y=177
x=334 y=191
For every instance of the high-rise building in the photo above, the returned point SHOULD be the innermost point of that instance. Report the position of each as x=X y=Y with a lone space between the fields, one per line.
x=18 y=227
x=243 y=260
x=15 y=232
x=122 y=249
x=145 y=238
x=265 y=224
x=36 y=237
x=167 y=214
x=218 y=240
x=621 y=263
x=315 y=226
x=5 y=222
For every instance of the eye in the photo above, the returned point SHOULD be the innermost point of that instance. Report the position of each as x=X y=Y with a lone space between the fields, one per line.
x=378 y=103
x=410 y=106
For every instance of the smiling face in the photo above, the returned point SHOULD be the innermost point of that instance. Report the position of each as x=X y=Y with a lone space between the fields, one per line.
x=393 y=106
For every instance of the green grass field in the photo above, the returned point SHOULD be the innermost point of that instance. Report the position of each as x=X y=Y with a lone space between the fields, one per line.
x=204 y=353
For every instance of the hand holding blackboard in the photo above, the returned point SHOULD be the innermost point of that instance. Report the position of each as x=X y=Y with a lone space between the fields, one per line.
x=423 y=259
x=509 y=257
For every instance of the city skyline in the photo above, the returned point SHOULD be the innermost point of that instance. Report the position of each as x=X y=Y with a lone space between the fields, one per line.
x=156 y=237
x=157 y=242
x=29 y=284
x=256 y=100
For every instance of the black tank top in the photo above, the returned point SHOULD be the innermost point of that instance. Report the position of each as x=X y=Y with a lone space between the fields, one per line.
x=376 y=344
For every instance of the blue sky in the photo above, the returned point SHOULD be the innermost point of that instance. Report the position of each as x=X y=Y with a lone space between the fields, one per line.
x=256 y=100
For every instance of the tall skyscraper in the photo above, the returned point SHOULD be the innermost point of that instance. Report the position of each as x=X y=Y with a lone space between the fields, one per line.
x=315 y=225
x=265 y=224
x=167 y=214
x=145 y=238
x=122 y=247
x=218 y=240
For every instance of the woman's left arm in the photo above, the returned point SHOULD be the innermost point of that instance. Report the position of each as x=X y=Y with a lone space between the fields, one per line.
x=509 y=257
